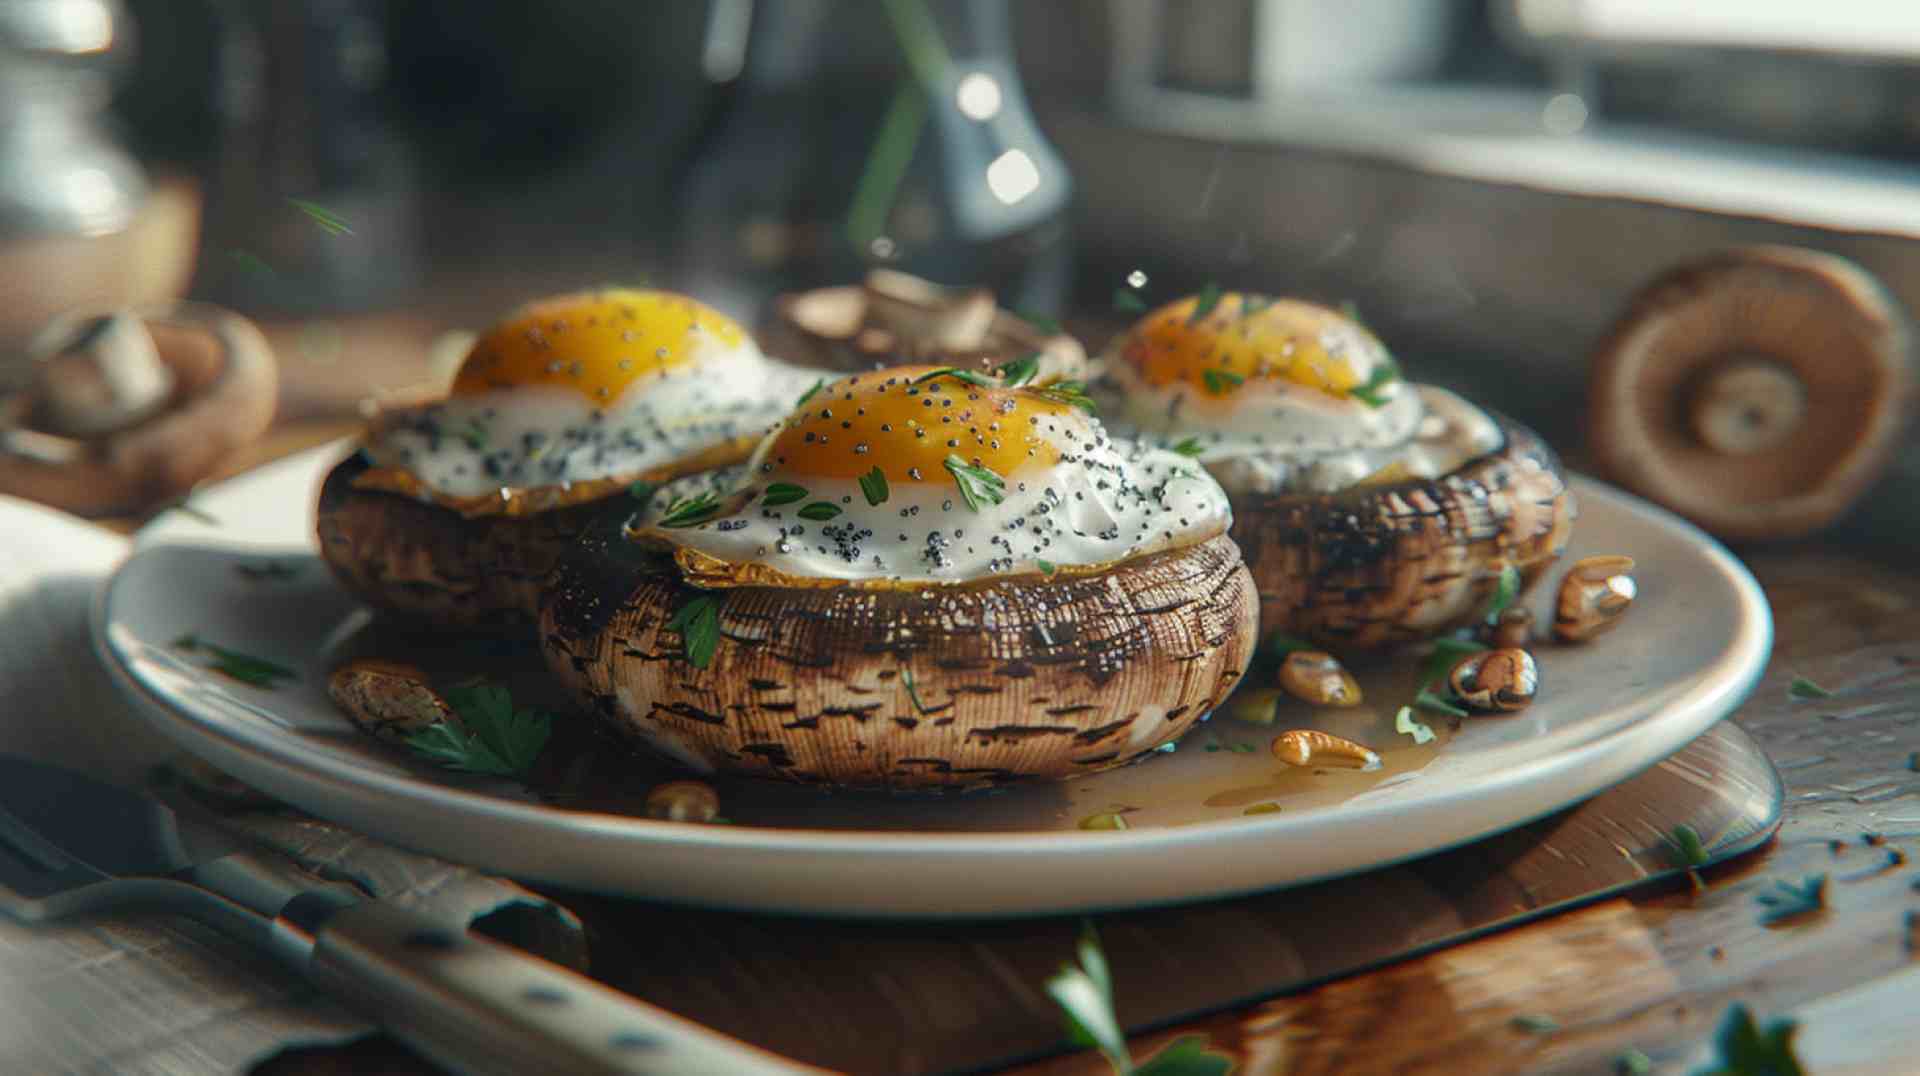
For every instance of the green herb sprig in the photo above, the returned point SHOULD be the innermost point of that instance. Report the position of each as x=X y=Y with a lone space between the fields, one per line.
x=697 y=622
x=1746 y=1050
x=329 y=221
x=1447 y=652
x=780 y=493
x=1535 y=1023
x=873 y=486
x=979 y=486
x=688 y=511
x=810 y=393
x=642 y=491
x=1084 y=993
x=1048 y=325
x=1427 y=700
x=1221 y=382
x=1790 y=899
x=1686 y=847
x=234 y=665
x=1071 y=393
x=1209 y=298
x=1504 y=592
x=971 y=377
x=1189 y=447
x=1373 y=391
x=913 y=694
x=819 y=511
x=1128 y=301
x=1016 y=372
x=492 y=737
x=1805 y=690
x=1251 y=304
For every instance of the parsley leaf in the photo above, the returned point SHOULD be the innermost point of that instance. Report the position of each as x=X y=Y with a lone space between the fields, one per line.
x=913 y=695
x=1535 y=1023
x=642 y=491
x=819 y=510
x=1803 y=689
x=1632 y=1062
x=234 y=665
x=971 y=377
x=491 y=737
x=329 y=221
x=1746 y=1050
x=1209 y=298
x=1221 y=382
x=780 y=493
x=1794 y=898
x=1404 y=722
x=1085 y=994
x=1447 y=652
x=688 y=511
x=1504 y=593
x=1127 y=301
x=978 y=485
x=1351 y=311
x=1427 y=700
x=874 y=485
x=1686 y=847
x=1189 y=446
x=697 y=622
x=1071 y=393
x=1372 y=391
x=1046 y=566
x=1019 y=371
x=809 y=394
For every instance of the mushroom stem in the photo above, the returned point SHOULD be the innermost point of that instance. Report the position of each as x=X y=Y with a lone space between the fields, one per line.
x=1747 y=405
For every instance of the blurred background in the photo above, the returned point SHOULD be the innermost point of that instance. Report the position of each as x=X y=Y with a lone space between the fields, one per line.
x=1487 y=180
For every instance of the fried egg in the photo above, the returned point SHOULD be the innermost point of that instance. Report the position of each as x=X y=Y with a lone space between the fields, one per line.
x=586 y=392
x=912 y=474
x=1282 y=395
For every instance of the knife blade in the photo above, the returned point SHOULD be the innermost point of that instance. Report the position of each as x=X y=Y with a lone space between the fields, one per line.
x=70 y=843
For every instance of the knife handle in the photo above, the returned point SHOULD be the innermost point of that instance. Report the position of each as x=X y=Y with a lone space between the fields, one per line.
x=480 y=1007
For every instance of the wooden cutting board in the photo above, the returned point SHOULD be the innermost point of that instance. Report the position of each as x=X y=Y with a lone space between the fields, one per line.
x=910 y=998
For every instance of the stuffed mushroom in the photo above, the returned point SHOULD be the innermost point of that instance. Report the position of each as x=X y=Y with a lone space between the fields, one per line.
x=453 y=512
x=1371 y=511
x=924 y=577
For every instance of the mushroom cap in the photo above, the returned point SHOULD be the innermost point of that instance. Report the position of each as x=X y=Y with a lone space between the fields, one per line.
x=1384 y=565
x=1757 y=391
x=894 y=317
x=950 y=685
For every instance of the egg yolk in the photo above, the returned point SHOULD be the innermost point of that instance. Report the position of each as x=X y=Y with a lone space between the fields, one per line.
x=594 y=343
x=909 y=427
x=1245 y=339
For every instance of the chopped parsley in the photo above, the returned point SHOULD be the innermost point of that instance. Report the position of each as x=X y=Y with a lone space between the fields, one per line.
x=1084 y=993
x=1047 y=567
x=874 y=485
x=1504 y=592
x=1406 y=724
x=1373 y=391
x=234 y=665
x=971 y=377
x=1427 y=700
x=697 y=622
x=1685 y=846
x=1019 y=371
x=688 y=511
x=820 y=511
x=913 y=695
x=1746 y=1050
x=1447 y=652
x=1209 y=298
x=809 y=394
x=642 y=491
x=492 y=736
x=1071 y=393
x=1189 y=446
x=1535 y=1023
x=1792 y=899
x=780 y=493
x=1221 y=382
x=1127 y=301
x=329 y=221
x=1632 y=1063
x=1803 y=689
x=979 y=486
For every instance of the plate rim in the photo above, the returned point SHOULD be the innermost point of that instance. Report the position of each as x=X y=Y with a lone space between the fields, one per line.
x=1744 y=655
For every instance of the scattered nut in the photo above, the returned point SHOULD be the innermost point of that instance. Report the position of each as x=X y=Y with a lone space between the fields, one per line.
x=388 y=699
x=1504 y=679
x=1311 y=747
x=1593 y=597
x=1513 y=629
x=1319 y=678
x=684 y=801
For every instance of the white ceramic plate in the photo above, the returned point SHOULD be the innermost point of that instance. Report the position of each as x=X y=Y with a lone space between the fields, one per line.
x=1691 y=650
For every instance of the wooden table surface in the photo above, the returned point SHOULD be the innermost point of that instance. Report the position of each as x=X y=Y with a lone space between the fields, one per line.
x=1652 y=973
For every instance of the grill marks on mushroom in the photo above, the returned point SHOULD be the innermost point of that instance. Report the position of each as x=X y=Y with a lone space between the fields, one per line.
x=957 y=685
x=1377 y=566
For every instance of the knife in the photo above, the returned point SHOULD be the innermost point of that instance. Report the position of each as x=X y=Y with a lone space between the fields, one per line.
x=71 y=844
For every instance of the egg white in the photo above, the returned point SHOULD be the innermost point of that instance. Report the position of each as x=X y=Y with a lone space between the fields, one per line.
x=1104 y=501
x=540 y=436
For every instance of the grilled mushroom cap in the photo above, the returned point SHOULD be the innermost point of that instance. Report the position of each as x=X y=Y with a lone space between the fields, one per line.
x=951 y=685
x=1381 y=565
x=1757 y=392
